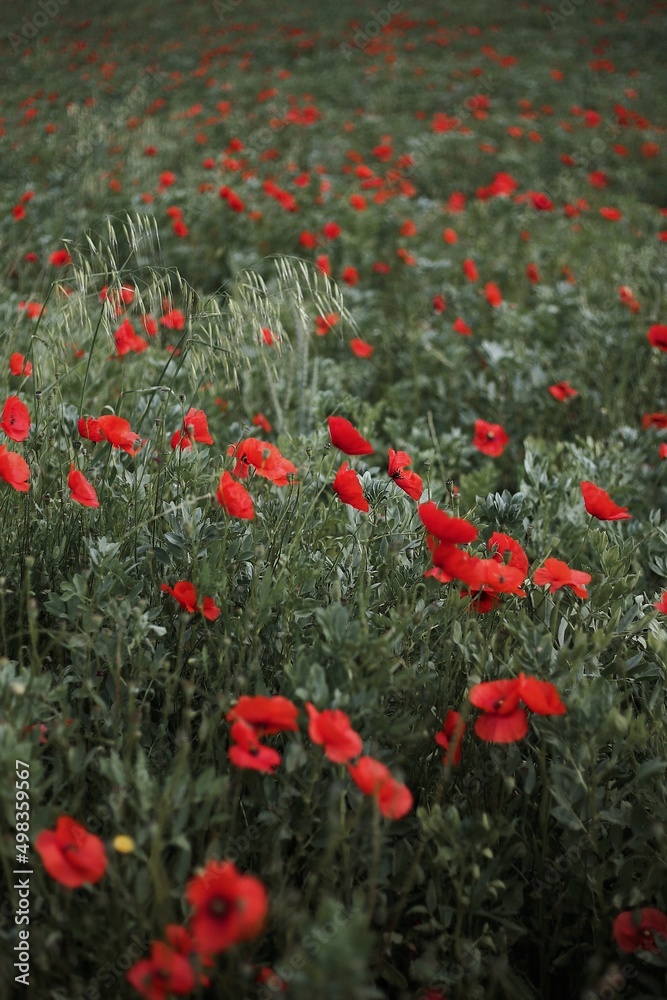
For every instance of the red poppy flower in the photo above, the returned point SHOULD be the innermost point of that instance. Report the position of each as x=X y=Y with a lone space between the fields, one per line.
x=166 y=972
x=661 y=605
x=407 y=480
x=89 y=428
x=612 y=214
x=439 y=304
x=493 y=294
x=490 y=439
x=265 y=458
x=500 y=577
x=248 y=752
x=657 y=421
x=14 y=470
x=60 y=257
x=470 y=270
x=640 y=930
x=459 y=326
x=81 y=490
x=444 y=527
x=360 y=348
x=186 y=595
x=266 y=714
x=562 y=391
x=323 y=263
x=19 y=366
x=558 y=574
x=195 y=428
x=657 y=336
x=15 y=420
x=450 y=737
x=347 y=438
x=541 y=201
x=455 y=564
x=503 y=720
x=234 y=498
x=331 y=230
x=173 y=319
x=598 y=503
x=540 y=697
x=228 y=907
x=348 y=487
x=394 y=799
x=70 y=854
x=350 y=276
x=259 y=420
x=501 y=544
x=533 y=274
x=324 y=323
x=333 y=730
x=118 y=433
x=126 y=340
x=449 y=236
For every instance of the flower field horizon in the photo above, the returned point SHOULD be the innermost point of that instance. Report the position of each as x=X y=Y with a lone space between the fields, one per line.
x=333 y=456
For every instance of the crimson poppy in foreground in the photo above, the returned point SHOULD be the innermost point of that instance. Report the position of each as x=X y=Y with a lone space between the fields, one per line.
x=195 y=428
x=15 y=420
x=265 y=459
x=348 y=487
x=661 y=605
x=70 y=854
x=504 y=719
x=19 y=366
x=490 y=439
x=394 y=799
x=117 y=431
x=266 y=714
x=408 y=481
x=558 y=574
x=248 y=752
x=599 y=504
x=444 y=526
x=347 y=438
x=14 y=470
x=228 y=907
x=332 y=730
x=641 y=930
x=81 y=490
x=234 y=498
x=657 y=336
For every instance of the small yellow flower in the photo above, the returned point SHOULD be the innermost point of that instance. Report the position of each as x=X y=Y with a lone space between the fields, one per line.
x=123 y=844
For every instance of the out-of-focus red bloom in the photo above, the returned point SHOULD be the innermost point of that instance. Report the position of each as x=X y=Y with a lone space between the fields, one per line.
x=439 y=304
x=117 y=431
x=456 y=203
x=164 y=973
x=173 y=319
x=347 y=438
x=408 y=481
x=269 y=337
x=265 y=459
x=81 y=490
x=628 y=299
x=19 y=366
x=127 y=339
x=15 y=420
x=661 y=605
x=657 y=336
x=612 y=214
x=501 y=544
x=490 y=439
x=558 y=574
x=493 y=294
x=324 y=323
x=259 y=420
x=33 y=310
x=323 y=263
x=394 y=799
x=332 y=730
x=70 y=854
x=248 y=752
x=195 y=428
x=267 y=714
x=450 y=737
x=186 y=595
x=60 y=257
x=331 y=230
x=444 y=527
x=228 y=907
x=640 y=930
x=350 y=276
x=234 y=498
x=533 y=274
x=562 y=391
x=598 y=503
x=449 y=236
x=657 y=421
x=461 y=327
x=348 y=487
x=470 y=270
x=360 y=348
x=541 y=201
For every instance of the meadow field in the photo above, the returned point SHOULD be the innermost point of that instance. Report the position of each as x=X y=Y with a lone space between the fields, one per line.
x=333 y=467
